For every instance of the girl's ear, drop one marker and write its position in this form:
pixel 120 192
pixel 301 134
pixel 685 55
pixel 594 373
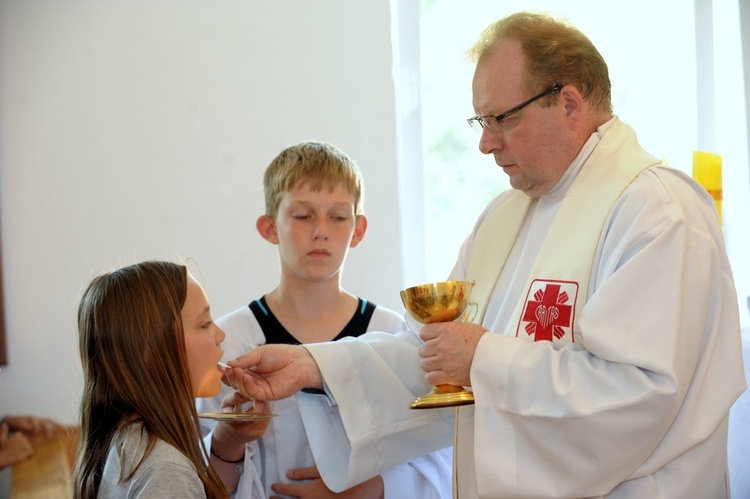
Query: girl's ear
pixel 267 229
pixel 359 231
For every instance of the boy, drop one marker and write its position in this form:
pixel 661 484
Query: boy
pixel 314 198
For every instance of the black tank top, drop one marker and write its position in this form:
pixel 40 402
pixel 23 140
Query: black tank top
pixel 275 333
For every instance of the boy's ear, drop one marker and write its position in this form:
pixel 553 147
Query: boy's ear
pixel 359 231
pixel 267 229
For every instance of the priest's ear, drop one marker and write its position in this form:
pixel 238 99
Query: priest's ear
pixel 574 105
pixel 360 228
pixel 267 229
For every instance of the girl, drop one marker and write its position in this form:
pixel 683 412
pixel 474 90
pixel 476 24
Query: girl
pixel 148 347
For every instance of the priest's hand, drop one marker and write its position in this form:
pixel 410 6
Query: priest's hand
pixel 448 351
pixel 273 372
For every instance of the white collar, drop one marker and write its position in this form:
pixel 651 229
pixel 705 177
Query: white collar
pixel 562 186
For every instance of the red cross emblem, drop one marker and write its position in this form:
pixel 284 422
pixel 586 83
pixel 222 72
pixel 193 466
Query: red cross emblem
pixel 548 315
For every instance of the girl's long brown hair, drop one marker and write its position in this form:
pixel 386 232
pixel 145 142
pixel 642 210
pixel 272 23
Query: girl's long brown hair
pixel 132 350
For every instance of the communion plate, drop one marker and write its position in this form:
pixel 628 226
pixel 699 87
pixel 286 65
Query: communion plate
pixel 236 417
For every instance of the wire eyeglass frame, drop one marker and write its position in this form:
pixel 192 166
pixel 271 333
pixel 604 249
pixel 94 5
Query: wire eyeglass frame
pixel 479 123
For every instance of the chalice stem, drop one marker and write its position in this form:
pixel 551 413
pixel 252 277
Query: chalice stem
pixel 447 389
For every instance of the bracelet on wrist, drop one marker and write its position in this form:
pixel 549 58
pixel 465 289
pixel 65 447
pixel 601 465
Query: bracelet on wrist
pixel 240 460
pixel 239 464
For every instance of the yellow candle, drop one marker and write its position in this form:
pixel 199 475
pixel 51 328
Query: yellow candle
pixel 707 171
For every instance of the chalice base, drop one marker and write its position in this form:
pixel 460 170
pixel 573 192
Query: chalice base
pixel 443 396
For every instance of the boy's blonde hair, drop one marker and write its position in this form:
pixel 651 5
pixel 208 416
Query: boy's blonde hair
pixel 315 164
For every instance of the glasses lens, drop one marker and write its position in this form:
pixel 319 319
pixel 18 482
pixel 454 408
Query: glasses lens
pixel 476 124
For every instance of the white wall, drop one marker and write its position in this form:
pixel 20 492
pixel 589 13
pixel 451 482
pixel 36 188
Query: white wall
pixel 138 129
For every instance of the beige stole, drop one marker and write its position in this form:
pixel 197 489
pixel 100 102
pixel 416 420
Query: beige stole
pixel 568 250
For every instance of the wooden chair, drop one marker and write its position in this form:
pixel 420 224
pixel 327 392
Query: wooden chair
pixel 48 473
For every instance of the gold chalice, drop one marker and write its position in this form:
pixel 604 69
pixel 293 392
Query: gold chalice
pixel 441 302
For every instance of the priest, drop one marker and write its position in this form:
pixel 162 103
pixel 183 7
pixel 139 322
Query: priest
pixel 605 354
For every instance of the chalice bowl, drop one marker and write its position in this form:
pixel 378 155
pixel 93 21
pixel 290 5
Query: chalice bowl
pixel 445 301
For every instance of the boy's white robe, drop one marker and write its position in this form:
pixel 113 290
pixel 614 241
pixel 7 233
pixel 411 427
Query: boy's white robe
pixel 284 444
pixel 636 406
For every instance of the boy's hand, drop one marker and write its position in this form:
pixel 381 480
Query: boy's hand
pixel 273 372
pixel 241 432
pixel 316 489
